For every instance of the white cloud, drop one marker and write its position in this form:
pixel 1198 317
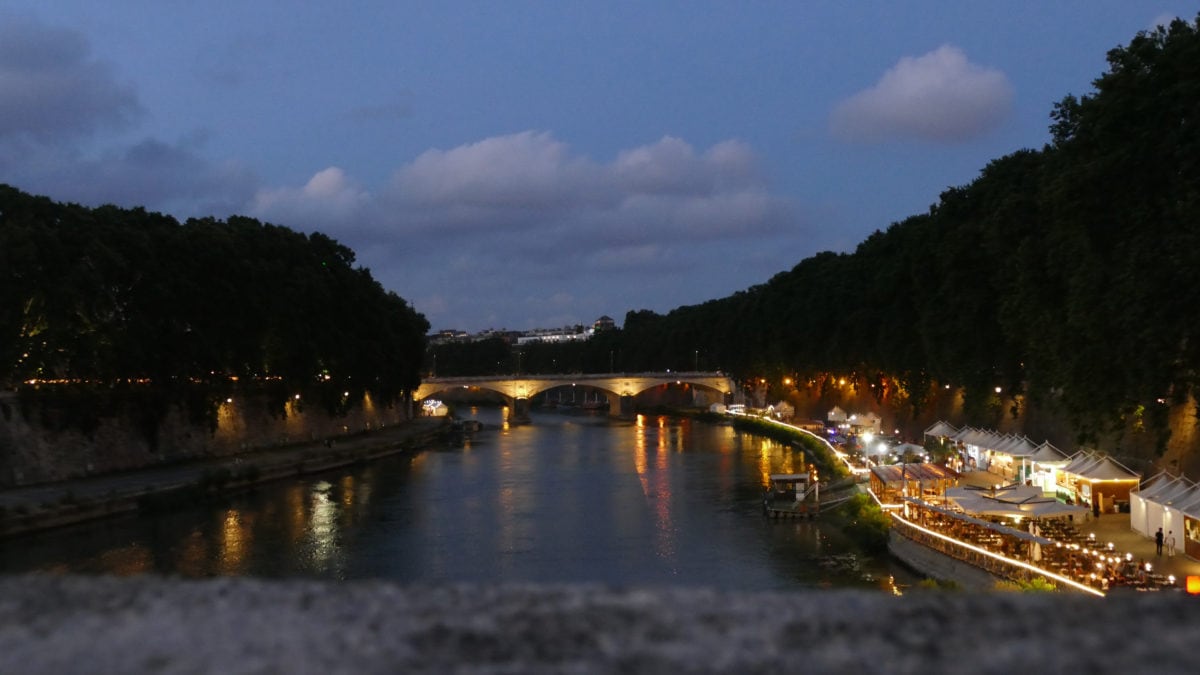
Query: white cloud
pixel 526 170
pixel 1164 20
pixel 329 198
pixel 470 226
pixel 940 96
pixel 532 182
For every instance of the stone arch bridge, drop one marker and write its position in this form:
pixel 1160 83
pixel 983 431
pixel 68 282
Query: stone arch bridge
pixel 620 387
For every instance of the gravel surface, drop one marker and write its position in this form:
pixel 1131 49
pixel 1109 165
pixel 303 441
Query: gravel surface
pixel 52 624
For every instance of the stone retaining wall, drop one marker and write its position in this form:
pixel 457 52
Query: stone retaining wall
pixel 935 565
pixel 32 453
pixel 147 624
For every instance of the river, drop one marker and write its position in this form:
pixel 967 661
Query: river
pixel 569 498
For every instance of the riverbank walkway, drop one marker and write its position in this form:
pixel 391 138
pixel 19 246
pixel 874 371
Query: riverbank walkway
pixel 35 507
pixel 1115 528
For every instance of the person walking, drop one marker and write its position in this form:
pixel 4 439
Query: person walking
pixel 1171 544
pixel 1158 542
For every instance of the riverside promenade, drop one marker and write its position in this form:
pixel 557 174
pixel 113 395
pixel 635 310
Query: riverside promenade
pixel 1115 528
pixel 48 505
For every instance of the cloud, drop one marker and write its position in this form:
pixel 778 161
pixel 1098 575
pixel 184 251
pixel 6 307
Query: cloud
pixel 57 101
pixel 530 194
pixel 940 96
pixel 523 171
pixel 1161 21
pixel 465 228
pixel 173 178
pixel 329 198
pixel 51 88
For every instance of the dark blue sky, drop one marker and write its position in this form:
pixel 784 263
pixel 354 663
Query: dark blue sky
pixel 537 164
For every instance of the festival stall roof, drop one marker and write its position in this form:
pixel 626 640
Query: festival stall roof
pixel 995 527
pixel 908 447
pixel 1108 468
pixel 1188 501
pixel 1162 486
pixel 1005 442
pixel 1021 447
pixel 941 428
pixel 994 440
pixel 1048 454
pixel 1191 507
pixel 1024 501
pixel 895 473
pixel 1167 492
pixel 1080 461
pixel 967 435
pixel 1153 481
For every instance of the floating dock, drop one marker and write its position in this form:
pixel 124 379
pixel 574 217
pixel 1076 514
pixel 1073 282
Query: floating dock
pixel 792 495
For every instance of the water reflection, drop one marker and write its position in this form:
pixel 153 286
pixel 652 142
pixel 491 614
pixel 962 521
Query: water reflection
pixel 321 538
pixel 569 498
pixel 234 535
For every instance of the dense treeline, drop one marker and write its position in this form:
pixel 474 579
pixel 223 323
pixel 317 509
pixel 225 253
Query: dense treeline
pixel 116 298
pixel 1066 275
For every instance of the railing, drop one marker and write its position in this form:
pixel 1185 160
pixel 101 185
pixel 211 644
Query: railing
pixel 994 563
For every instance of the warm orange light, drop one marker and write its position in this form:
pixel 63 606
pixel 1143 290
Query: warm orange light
pixel 1193 584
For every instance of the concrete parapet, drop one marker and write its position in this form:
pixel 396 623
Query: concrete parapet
pixel 937 566
pixel 107 625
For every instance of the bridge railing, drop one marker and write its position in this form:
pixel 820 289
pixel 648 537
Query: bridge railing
pixel 666 375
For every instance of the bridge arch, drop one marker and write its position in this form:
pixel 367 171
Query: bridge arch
pixel 619 386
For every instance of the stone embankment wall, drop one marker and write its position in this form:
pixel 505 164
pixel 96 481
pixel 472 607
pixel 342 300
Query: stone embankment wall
pixel 31 453
pixel 935 565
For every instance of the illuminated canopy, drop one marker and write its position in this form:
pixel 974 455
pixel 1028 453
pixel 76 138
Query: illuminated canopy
pixel 1011 501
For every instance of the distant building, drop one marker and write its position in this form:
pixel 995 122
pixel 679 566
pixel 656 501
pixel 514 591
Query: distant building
pixel 448 335
pixel 783 411
pixel 509 336
pixel 575 333
pixel 604 323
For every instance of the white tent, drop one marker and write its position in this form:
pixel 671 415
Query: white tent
pixel 1138 518
pixel 908 447
pixel 1048 455
pixel 1156 502
pixel 1107 468
pixel 1174 512
pixel 941 428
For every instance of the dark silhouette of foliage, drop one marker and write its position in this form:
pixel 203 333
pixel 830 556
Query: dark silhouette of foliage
pixel 1066 274
pixel 97 297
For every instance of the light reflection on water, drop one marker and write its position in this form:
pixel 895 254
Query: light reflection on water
pixel 570 498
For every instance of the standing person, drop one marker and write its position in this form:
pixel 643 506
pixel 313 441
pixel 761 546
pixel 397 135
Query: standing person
pixel 1171 544
pixel 1158 542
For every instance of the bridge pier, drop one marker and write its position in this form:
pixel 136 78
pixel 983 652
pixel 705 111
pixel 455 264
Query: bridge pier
pixel 620 406
pixel 519 410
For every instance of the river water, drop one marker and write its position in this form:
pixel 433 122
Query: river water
pixel 569 498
